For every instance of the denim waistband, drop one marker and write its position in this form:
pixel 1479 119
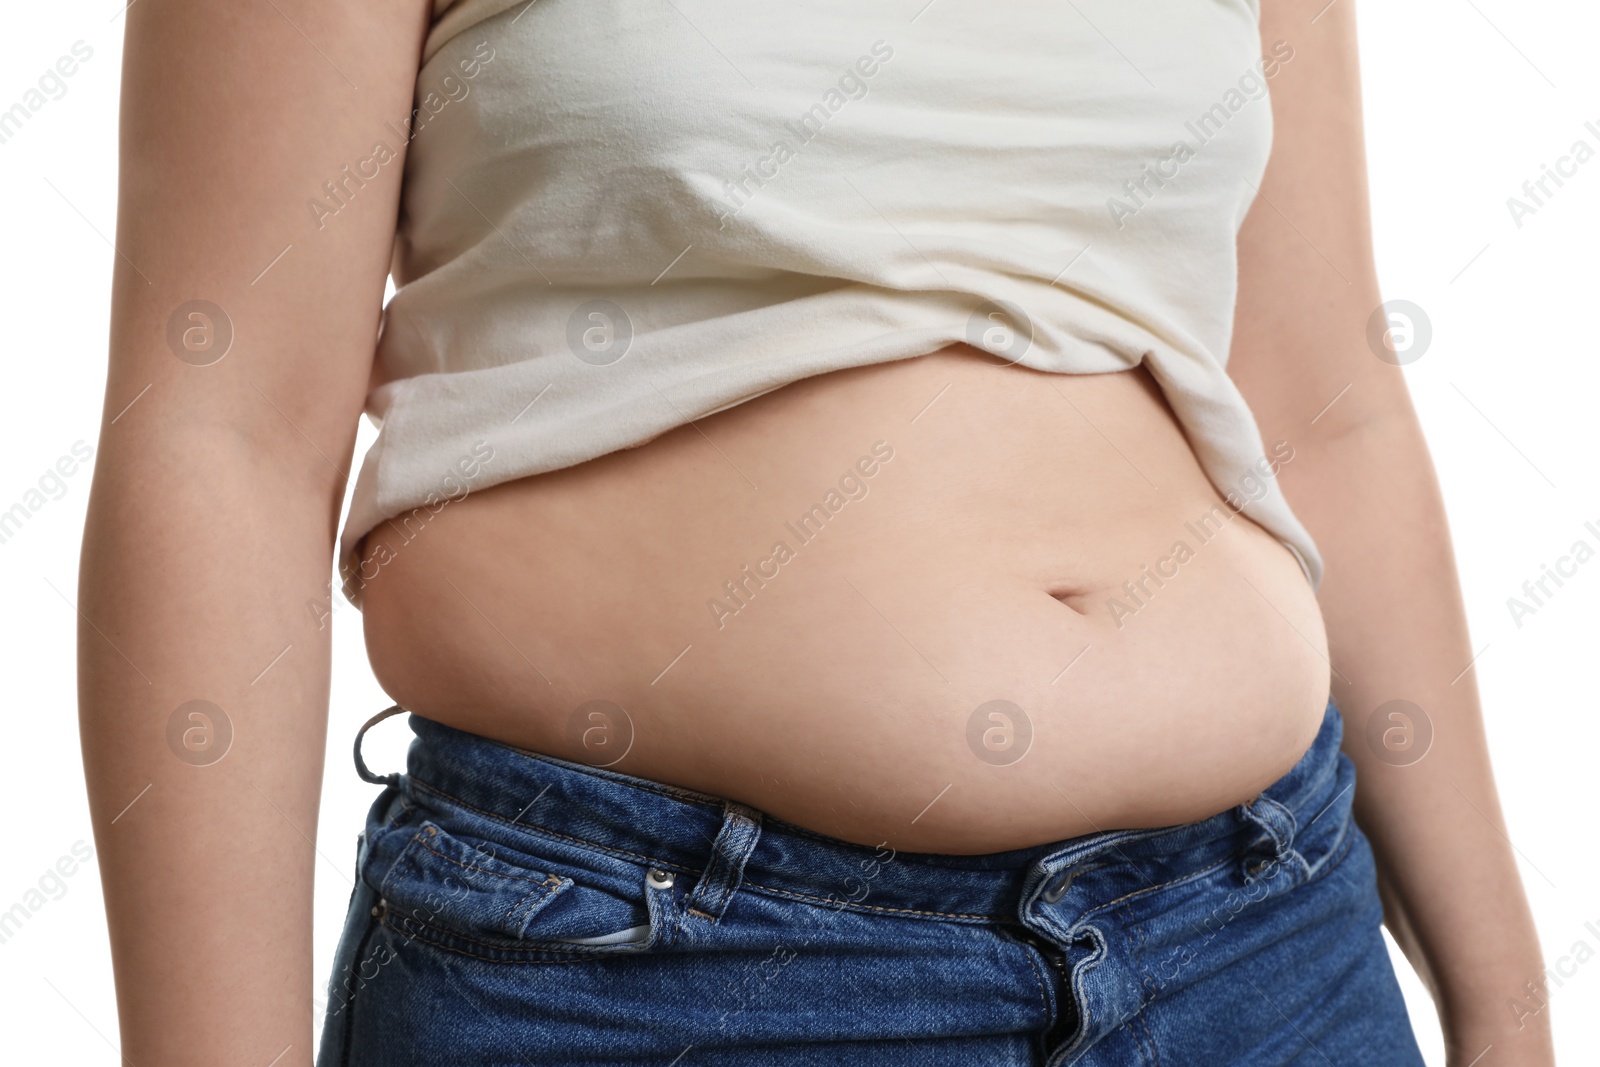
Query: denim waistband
pixel 729 846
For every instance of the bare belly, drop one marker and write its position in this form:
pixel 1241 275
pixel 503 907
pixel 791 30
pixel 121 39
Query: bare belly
pixel 937 603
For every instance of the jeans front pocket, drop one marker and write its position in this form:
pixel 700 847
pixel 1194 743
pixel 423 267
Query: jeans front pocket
pixel 479 890
pixel 440 879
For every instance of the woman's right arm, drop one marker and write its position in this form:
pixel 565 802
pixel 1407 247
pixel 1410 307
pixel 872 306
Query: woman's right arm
pixel 209 542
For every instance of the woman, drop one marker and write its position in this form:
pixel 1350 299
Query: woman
pixel 831 524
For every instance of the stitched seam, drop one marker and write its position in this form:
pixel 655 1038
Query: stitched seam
pixel 1132 1026
pixel 1080 998
pixel 531 904
pixel 1122 837
pixel 550 884
pixel 455 936
pixel 1147 1047
pixel 492 959
pixel 394 824
pixel 868 850
pixel 405 810
pixel 718 901
pixel 1294 821
pixel 643 785
pixel 756 885
pixel 1191 876
pixel 548 879
pixel 716 885
pixel 1038 980
pixel 868 907
pixel 401 867
pixel 534 830
pixel 1287 813
pixel 1138 957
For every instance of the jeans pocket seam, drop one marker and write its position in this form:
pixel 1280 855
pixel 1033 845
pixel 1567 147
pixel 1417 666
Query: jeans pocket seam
pixel 453 941
pixel 538 877
pixel 402 866
pixel 524 910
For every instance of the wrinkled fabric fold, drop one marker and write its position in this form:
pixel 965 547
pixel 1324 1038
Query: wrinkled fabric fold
pixel 618 218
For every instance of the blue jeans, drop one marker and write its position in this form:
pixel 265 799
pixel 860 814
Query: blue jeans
pixel 511 908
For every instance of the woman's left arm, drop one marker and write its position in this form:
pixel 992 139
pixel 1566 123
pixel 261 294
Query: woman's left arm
pixel 1362 481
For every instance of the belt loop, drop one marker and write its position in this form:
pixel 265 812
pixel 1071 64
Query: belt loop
pixel 741 828
pixel 1278 821
pixel 1281 829
pixel 361 764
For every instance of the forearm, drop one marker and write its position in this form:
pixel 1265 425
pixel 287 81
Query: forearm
pixel 1397 630
pixel 242 334
pixel 197 565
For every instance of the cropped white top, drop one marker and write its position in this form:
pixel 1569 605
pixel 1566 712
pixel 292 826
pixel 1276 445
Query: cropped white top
pixel 618 217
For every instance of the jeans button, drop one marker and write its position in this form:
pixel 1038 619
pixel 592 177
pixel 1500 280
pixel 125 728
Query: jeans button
pixel 659 879
pixel 1058 889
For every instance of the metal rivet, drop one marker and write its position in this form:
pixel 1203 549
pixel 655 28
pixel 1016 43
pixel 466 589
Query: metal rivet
pixel 659 879
pixel 1059 890
pixel 379 908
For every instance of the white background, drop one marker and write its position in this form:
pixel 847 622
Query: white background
pixel 1465 99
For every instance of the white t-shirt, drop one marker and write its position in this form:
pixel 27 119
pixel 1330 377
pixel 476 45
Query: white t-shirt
pixel 618 217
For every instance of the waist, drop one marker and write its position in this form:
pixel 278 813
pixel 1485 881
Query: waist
pixel 951 604
pixel 480 789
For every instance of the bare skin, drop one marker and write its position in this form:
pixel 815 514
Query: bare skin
pixel 1364 485
pixel 216 498
pixel 980 562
